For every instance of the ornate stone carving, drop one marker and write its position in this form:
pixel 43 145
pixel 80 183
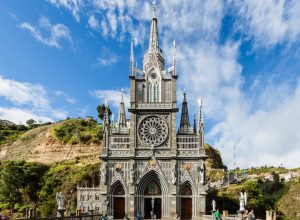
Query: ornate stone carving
pixel 202 173
pixel 153 131
pixel 118 167
pixel 103 173
pixel 187 167
pixel 132 174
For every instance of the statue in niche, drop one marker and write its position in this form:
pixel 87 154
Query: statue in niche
pixel 202 173
pixel 103 173
pixel 173 176
pixel 131 174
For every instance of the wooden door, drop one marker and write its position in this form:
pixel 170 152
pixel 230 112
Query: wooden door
pixel 186 208
pixel 119 208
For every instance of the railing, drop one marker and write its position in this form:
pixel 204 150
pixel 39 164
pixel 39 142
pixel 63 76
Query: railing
pixel 75 217
pixel 152 105
pixel 212 217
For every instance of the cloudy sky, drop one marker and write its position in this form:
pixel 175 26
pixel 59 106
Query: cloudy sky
pixel 61 58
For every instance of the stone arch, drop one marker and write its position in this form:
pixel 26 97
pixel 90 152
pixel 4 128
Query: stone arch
pixel 187 200
pixel 152 176
pixel 118 199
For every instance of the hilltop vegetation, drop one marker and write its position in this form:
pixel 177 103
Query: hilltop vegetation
pixel 10 132
pixel 75 131
pixel 48 143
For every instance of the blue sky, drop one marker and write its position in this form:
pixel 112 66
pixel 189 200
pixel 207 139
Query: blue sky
pixel 61 58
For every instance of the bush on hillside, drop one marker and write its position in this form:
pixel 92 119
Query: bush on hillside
pixel 74 131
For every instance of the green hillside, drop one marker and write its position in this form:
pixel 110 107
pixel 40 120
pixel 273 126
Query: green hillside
pixel 24 183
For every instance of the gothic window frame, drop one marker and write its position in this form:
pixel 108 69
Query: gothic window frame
pixel 154 81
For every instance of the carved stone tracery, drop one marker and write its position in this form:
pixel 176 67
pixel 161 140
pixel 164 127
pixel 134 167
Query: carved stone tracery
pixel 153 131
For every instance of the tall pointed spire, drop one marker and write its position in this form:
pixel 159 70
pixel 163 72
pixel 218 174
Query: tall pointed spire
pixel 131 60
pixel 122 116
pixel 153 40
pixel 174 58
pixel 200 125
pixel 185 118
pixel 200 118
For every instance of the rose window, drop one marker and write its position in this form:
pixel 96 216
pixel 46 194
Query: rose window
pixel 153 131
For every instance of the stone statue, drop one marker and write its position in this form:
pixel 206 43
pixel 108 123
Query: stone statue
pixel 131 174
pixel 243 201
pixel 173 176
pixel 103 173
pixel 202 173
pixel 60 201
pixel 213 205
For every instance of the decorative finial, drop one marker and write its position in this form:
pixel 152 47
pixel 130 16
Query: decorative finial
pixel 153 9
pixel 184 95
pixel 122 94
pixel 131 51
pixel 200 102
pixel 106 103
pixel 174 58
pixel 112 117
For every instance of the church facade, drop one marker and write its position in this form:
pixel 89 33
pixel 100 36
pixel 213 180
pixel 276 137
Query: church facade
pixel 149 167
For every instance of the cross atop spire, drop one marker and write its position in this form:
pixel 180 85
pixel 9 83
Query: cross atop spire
pixel 153 9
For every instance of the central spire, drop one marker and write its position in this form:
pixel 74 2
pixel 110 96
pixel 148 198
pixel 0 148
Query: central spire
pixel 153 40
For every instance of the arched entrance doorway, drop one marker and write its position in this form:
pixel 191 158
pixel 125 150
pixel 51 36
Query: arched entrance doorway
pixel 186 202
pixel 118 202
pixel 151 197
pixel 152 201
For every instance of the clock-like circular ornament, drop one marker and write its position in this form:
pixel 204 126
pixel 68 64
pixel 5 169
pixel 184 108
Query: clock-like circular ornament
pixel 153 131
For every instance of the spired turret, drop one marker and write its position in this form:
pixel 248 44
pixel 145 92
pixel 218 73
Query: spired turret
pixel 122 115
pixel 200 131
pixel 185 126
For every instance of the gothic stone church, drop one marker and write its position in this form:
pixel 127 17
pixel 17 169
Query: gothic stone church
pixel 148 167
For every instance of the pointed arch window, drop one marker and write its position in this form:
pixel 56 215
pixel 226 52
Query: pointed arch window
pixel 153 87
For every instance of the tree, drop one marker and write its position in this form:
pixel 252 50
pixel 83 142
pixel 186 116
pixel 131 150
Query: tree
pixel 101 110
pixel 30 122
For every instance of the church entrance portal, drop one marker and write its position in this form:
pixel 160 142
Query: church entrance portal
pixel 186 202
pixel 152 201
pixel 119 202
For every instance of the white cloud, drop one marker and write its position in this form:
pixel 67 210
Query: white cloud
pixel 27 100
pixel 93 22
pixel 54 33
pixel 23 93
pixel 114 96
pixel 106 58
pixel 269 22
pixel 263 136
pixel 20 116
pixel 107 61
pixel 65 96
pixel 73 6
